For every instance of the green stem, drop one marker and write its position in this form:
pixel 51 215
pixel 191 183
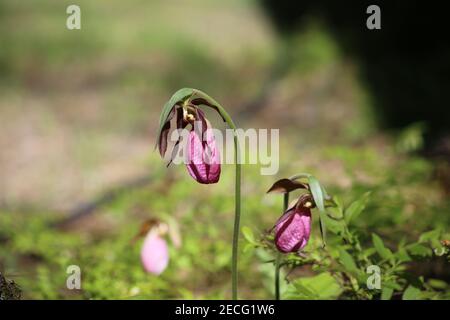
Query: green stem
pixel 279 256
pixel 277 276
pixel 237 218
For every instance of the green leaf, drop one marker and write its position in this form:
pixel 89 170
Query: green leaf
pixel 347 261
pixel 368 252
pixel 300 176
pixel 317 193
pixel 433 238
pixel 386 293
pixel 339 205
pixel 392 285
pixel 402 255
pixel 356 207
pixel 411 293
pixel 302 292
pixel 248 247
pixel 384 252
pixel 322 286
pixel 418 250
pixel 437 284
pixel 248 235
pixel 430 235
pixel 177 97
pixel 335 226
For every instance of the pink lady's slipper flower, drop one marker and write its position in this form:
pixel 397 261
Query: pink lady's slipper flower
pixel 293 229
pixel 203 157
pixel 154 253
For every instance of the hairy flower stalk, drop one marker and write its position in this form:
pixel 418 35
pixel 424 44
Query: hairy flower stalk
pixel 203 157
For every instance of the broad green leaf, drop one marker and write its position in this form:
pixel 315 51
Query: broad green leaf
pixel 356 207
pixel 248 235
pixel 368 252
pixel 347 261
pixel 386 293
pixel 430 235
pixel 317 193
pixel 322 286
pixel 411 293
pixel 384 252
pixel 438 284
pixel 302 292
pixel 419 250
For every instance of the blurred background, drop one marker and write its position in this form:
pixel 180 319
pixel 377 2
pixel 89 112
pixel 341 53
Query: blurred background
pixel 363 110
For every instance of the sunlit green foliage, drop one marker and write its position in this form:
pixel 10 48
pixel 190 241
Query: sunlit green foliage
pixel 367 228
pixel 392 211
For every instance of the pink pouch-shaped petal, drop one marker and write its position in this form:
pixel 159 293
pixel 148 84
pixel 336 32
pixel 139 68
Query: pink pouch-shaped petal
pixel 154 253
pixel 203 158
pixel 292 232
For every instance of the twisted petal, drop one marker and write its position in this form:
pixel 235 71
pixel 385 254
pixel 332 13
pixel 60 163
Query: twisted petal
pixel 293 230
pixel 162 137
pixel 154 253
